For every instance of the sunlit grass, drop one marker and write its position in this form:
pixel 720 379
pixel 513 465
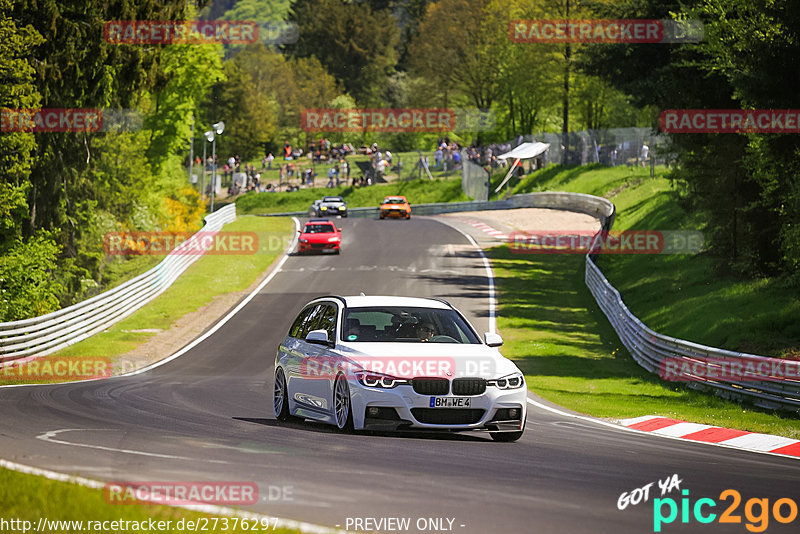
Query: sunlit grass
pixel 27 497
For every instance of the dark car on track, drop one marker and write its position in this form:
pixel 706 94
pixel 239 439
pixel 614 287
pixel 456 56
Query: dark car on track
pixel 328 207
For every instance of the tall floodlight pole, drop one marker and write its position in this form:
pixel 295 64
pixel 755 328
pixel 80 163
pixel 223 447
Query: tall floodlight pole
pixel 218 128
pixel 191 149
pixel 209 136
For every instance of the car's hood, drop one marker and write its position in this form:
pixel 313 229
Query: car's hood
pixel 407 360
pixel 333 205
pixel 316 238
pixel 394 206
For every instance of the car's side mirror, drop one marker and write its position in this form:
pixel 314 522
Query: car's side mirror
pixel 493 340
pixel 318 336
pixel 339 229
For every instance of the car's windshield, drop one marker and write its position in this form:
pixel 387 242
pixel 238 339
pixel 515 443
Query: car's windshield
pixel 394 200
pixel 332 199
pixel 318 229
pixel 406 325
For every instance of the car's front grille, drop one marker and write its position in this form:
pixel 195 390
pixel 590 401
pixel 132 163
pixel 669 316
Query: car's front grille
pixel 431 386
pixel 319 245
pixel 447 416
pixel 469 386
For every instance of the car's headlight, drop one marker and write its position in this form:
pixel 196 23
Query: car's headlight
pixel 333 239
pixel 342 207
pixel 304 240
pixel 378 380
pixel 324 207
pixel 512 381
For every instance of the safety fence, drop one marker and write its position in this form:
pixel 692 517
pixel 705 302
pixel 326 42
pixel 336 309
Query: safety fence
pixel 30 338
pixel 698 366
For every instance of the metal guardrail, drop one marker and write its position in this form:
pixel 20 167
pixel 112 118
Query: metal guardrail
pixel 30 338
pixel 652 350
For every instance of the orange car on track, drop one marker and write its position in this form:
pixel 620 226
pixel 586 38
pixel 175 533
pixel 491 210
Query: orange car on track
pixel 395 206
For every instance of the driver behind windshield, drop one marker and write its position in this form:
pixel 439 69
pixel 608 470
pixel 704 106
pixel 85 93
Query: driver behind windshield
pixel 425 331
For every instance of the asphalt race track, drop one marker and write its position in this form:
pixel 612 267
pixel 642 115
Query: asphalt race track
pixel 208 416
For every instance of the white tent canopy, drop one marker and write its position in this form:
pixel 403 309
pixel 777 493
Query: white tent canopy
pixel 526 151
pixel 523 151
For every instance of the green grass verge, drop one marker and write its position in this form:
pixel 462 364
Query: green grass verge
pixel 417 191
pixel 216 274
pixel 570 352
pixel 25 497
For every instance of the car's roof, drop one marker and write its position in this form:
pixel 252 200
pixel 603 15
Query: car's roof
pixel 378 301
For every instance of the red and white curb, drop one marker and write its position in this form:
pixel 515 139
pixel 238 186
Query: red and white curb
pixel 728 437
pixel 497 234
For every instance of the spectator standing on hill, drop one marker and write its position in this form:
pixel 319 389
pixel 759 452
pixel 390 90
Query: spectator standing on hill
pixel 645 153
pixel 381 168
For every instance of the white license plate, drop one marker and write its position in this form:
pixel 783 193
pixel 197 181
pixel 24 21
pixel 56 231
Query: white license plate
pixel 450 402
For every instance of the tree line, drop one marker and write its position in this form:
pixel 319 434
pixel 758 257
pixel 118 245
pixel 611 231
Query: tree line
pixel 60 192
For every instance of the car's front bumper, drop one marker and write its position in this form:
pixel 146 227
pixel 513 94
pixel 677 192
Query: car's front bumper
pixel 318 247
pixel 403 408
pixel 333 211
pixel 394 213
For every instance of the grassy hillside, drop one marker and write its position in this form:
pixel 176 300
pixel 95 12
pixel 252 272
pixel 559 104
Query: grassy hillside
pixel 417 192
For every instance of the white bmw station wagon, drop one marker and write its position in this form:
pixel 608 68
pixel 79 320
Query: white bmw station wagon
pixel 392 363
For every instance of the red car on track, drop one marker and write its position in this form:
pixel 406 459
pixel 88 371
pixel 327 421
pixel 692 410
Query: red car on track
pixel 319 235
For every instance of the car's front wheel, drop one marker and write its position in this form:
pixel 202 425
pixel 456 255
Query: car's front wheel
pixel 341 403
pixel 280 397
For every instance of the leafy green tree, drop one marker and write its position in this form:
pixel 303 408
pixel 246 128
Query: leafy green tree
pixel 356 44
pixel 25 286
pixel 17 91
pixel 746 184
pixel 249 110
